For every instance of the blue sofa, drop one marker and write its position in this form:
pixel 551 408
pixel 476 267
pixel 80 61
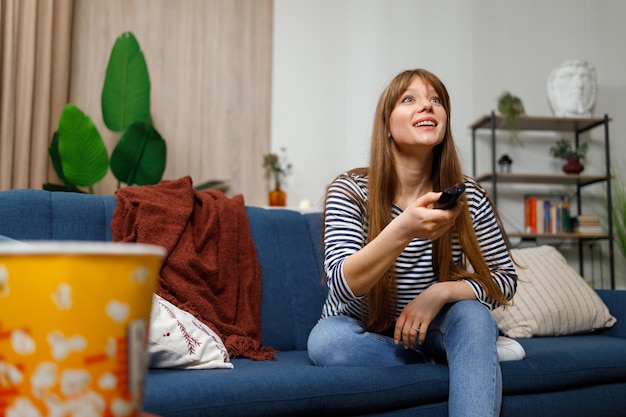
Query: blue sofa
pixel 582 375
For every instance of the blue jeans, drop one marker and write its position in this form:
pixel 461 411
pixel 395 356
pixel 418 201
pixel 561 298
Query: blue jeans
pixel 463 333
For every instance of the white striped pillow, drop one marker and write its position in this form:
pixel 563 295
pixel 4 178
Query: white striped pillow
pixel 552 299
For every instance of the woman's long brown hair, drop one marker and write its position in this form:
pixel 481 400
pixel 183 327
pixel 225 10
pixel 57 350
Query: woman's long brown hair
pixel 380 302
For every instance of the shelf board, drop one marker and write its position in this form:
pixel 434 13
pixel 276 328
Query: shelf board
pixel 542 178
pixel 561 124
pixel 558 235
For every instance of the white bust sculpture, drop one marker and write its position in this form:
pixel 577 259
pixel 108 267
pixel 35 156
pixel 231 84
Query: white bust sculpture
pixel 572 89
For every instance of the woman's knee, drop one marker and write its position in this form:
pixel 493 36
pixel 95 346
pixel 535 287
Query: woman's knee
pixel 472 317
pixel 329 340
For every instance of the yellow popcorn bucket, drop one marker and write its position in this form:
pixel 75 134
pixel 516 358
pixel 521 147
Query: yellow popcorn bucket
pixel 74 322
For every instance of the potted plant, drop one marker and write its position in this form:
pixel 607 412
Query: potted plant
pixel 277 169
pixel 77 150
pixel 511 107
pixel 563 149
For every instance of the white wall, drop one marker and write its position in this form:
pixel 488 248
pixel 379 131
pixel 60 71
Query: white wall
pixel 332 58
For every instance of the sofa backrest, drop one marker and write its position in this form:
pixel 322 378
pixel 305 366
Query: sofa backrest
pixel 287 244
pixel 44 215
pixel 288 247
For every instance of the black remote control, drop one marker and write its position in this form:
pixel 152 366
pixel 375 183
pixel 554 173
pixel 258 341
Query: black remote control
pixel 450 196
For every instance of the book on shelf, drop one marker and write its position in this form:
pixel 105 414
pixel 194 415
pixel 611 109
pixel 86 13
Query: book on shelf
pixel 551 215
pixel 586 224
pixel 544 215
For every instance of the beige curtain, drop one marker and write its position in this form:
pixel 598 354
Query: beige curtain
pixel 35 37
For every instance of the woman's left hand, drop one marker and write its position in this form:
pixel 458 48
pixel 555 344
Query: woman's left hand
pixel 412 325
pixel 414 320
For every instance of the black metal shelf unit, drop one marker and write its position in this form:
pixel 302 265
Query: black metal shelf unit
pixel 493 123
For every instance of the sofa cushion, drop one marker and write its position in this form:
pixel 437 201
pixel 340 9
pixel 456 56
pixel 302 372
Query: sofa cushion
pixel 291 386
pixel 594 400
pixel 565 362
pixel 552 299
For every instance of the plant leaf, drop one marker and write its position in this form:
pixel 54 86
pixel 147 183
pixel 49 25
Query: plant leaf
pixel 57 164
pixel 619 212
pixel 53 151
pixel 140 155
pixel 84 157
pixel 220 185
pixel 126 90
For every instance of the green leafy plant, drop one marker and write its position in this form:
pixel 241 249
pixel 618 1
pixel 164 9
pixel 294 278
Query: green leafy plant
pixel 619 213
pixel 77 150
pixel 275 166
pixel 563 149
pixel 511 107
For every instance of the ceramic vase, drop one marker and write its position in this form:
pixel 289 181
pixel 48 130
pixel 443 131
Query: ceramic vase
pixel 573 166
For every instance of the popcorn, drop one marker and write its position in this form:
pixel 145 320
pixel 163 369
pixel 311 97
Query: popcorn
pixel 140 275
pixel 117 311
pixel 22 343
pixel 23 407
pixel 4 282
pixel 62 347
pixel 10 376
pixel 74 381
pixel 111 347
pixel 62 297
pixel 107 381
pixel 121 408
pixel 89 404
pixel 44 378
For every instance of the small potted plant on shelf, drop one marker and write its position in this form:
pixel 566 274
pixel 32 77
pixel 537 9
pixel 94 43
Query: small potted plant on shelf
pixel 505 162
pixel 277 169
pixel 511 107
pixel 563 149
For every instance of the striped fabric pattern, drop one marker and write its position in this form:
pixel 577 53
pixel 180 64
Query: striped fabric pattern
pixel 552 299
pixel 346 231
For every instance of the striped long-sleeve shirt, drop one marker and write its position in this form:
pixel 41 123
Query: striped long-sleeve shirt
pixel 346 233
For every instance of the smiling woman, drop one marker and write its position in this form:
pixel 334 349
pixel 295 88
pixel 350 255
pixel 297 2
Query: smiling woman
pixel 399 291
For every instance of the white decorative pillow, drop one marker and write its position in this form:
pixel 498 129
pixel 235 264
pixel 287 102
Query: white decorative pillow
pixel 178 340
pixel 552 299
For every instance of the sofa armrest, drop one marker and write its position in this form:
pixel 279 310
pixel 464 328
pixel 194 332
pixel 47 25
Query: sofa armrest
pixel 615 300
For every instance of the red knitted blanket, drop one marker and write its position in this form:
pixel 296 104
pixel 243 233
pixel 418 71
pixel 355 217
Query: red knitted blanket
pixel 211 269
